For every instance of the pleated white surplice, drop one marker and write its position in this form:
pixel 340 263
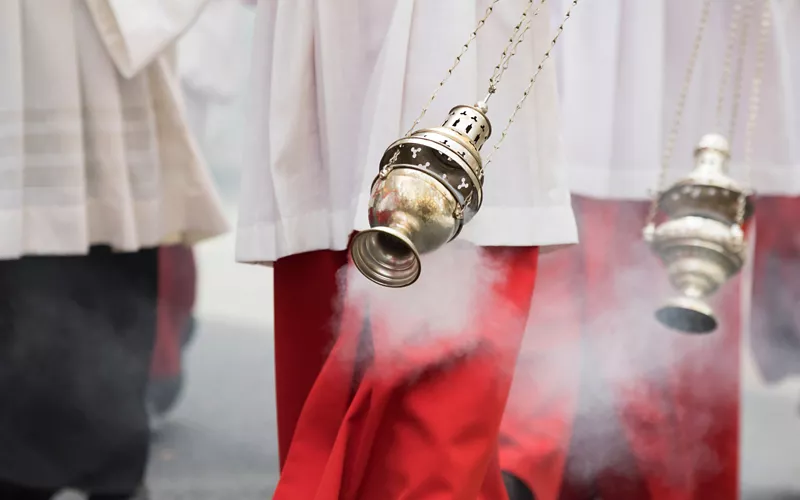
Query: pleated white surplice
pixel 94 148
pixel 622 69
pixel 336 82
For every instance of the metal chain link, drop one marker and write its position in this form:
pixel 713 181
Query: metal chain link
pixel 493 84
pixel 755 103
pixel 452 68
pixel 733 32
pixel 737 89
pixel 531 83
pixel 517 37
pixel 669 145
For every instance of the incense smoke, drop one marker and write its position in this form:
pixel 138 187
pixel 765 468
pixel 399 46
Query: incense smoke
pixel 599 359
pixel 602 358
pixel 449 311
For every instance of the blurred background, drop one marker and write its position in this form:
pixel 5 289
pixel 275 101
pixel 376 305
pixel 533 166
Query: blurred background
pixel 215 435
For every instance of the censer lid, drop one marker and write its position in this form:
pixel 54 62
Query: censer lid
pixel 463 133
pixel 714 142
pixel 471 123
pixel 711 157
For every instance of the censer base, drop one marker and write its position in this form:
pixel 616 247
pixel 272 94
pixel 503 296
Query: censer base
pixel 386 256
pixel 687 315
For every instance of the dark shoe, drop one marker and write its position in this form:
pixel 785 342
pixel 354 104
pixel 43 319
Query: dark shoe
pixel 517 490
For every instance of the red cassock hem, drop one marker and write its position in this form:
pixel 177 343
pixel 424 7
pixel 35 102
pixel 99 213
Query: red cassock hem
pixel 424 429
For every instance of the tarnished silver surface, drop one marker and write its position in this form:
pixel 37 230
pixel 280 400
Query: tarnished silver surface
pixel 429 185
pixel 701 242
pixel 700 255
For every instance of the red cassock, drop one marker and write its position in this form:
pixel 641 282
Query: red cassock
pixel 775 319
pixel 605 401
pixel 376 429
pixel 177 284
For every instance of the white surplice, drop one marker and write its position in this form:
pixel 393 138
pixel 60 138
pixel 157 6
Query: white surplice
pixel 336 82
pixel 213 64
pixel 213 54
pixel 622 69
pixel 94 148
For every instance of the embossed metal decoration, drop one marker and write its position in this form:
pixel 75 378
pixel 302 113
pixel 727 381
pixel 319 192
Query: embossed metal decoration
pixel 430 184
pixel 701 243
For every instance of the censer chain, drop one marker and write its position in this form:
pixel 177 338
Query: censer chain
pixel 737 89
pixel 531 83
pixel 452 68
pixel 516 38
pixel 669 145
pixel 754 105
pixel 733 34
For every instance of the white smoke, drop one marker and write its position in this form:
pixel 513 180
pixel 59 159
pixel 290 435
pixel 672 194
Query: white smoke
pixel 612 367
pixel 450 310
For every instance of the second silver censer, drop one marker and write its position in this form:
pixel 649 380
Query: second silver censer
pixel 702 242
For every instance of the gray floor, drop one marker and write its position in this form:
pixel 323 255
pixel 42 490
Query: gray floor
pixel 220 443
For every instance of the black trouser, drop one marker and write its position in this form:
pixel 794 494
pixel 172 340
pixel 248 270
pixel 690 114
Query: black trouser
pixel 76 344
pixel 10 491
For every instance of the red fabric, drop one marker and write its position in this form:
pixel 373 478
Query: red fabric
pixel 536 428
pixel 177 284
pixel 606 401
pixel 775 320
pixel 305 294
pixel 426 429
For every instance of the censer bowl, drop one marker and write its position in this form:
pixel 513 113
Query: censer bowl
pixel 687 315
pixel 411 213
pixel 700 255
